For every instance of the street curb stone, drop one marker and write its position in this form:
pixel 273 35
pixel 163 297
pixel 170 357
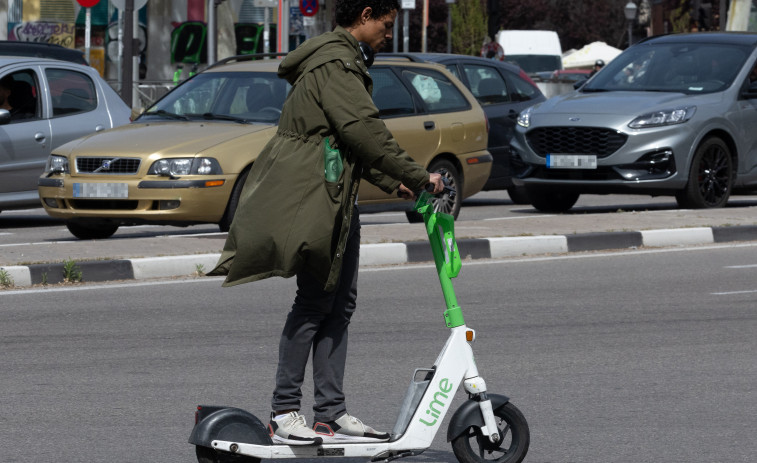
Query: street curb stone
pixel 397 253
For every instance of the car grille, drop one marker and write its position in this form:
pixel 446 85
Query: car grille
pixel 575 140
pixel 107 165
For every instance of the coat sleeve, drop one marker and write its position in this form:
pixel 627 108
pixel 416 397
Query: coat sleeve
pixel 350 110
pixel 386 183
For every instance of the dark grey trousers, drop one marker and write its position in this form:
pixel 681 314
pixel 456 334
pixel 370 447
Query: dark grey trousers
pixel 319 320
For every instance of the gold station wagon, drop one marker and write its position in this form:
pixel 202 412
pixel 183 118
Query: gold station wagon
pixel 184 160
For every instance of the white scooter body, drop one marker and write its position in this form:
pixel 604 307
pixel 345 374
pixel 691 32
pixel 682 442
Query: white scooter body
pixel 454 365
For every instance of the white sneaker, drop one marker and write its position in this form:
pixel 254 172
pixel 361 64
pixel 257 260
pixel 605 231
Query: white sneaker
pixel 292 429
pixel 348 427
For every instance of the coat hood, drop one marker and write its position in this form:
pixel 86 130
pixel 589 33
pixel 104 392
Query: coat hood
pixel 338 44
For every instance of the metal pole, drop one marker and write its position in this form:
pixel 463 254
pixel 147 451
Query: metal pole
pixel 424 33
pixel 87 32
pixel 212 32
pixel 119 64
pixel 128 64
pixel 395 34
pixel 405 31
pixel 630 32
pixel 135 103
pixel 266 32
pixel 449 28
pixel 283 27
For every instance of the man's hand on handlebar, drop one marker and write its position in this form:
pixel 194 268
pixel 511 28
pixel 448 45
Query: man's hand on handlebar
pixel 405 192
pixel 435 181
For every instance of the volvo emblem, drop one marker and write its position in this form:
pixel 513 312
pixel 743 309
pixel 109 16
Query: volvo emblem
pixel 105 165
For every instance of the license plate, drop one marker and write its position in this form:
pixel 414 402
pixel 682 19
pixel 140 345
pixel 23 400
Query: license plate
pixel 571 161
pixel 101 190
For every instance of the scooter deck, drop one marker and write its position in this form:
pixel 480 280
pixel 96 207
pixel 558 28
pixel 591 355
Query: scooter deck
pixel 374 450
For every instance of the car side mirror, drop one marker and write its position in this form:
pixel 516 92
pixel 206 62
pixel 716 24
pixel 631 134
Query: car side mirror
pixel 5 116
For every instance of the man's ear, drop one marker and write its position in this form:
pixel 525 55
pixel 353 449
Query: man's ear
pixel 366 14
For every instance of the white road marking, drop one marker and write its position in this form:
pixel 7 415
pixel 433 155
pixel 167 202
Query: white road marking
pixel 729 293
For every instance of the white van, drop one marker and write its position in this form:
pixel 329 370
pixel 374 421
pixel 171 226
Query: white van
pixel 533 51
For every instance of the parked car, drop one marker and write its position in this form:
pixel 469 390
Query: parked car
pixel 672 115
pixel 41 50
pixel 53 102
pixel 503 90
pixel 186 158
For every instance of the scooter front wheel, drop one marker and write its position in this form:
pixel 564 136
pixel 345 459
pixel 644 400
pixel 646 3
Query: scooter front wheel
pixel 208 455
pixel 473 447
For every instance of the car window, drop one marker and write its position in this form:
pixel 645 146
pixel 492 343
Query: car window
pixel 436 90
pixel 389 94
pixel 72 92
pixel 520 89
pixel 452 68
pixel 689 68
pixel 23 96
pixel 248 96
pixel 486 84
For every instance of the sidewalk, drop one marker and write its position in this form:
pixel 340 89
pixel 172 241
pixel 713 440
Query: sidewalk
pixel 397 243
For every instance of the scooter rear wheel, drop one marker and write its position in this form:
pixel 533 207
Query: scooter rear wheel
pixel 473 447
pixel 208 455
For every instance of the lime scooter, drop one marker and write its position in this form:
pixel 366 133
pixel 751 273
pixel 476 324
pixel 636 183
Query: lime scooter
pixel 485 428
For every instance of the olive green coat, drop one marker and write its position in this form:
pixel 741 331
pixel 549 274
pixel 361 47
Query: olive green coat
pixel 289 218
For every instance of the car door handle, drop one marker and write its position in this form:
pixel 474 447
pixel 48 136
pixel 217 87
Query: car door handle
pixel 39 136
pixel 429 125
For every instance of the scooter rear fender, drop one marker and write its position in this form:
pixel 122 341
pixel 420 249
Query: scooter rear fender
pixel 469 414
pixel 228 424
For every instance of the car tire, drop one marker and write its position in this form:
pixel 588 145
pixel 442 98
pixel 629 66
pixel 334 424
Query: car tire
pixel 448 206
pixel 91 229
pixel 518 195
pixel 710 178
pixel 549 199
pixel 231 207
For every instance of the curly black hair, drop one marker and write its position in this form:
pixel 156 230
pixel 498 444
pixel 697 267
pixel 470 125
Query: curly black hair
pixel 348 11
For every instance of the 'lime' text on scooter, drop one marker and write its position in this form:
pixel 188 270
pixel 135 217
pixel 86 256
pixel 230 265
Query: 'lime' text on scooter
pixel 436 405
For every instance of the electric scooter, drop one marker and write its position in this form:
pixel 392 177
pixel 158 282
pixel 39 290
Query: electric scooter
pixel 485 428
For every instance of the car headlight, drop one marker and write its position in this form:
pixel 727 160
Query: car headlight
pixel 664 117
pixel 524 118
pixel 172 167
pixel 56 165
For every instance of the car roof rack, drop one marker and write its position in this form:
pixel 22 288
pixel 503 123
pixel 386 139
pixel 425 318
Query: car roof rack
pixel 240 58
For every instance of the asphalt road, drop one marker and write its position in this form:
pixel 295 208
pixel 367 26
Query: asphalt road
pixel 642 356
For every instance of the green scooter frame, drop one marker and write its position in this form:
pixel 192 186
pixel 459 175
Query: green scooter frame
pixel 485 428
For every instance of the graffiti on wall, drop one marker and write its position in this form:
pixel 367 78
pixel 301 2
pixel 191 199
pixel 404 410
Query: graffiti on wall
pixel 43 31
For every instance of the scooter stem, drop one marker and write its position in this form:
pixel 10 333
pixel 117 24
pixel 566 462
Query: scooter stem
pixel 440 228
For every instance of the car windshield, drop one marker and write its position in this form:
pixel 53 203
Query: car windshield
pixel 689 68
pixel 243 97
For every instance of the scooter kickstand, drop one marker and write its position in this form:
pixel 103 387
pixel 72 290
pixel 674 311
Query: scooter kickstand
pixel 403 454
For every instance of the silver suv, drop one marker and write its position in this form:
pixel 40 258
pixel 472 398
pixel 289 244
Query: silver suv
pixel 672 115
